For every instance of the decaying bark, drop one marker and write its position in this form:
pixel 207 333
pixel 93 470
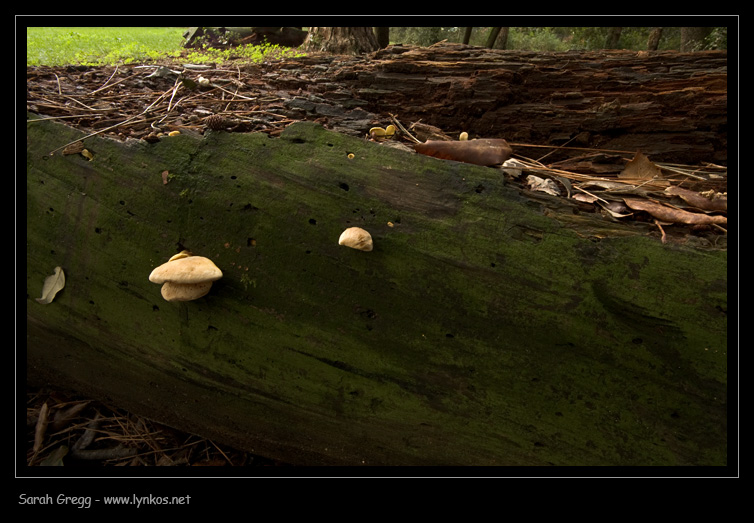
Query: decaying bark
pixel 342 40
pixel 671 106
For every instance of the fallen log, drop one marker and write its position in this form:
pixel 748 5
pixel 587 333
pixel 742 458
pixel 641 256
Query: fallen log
pixel 671 106
pixel 482 329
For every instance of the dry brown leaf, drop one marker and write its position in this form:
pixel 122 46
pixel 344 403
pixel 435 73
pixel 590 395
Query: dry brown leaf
pixel 482 151
pixel 697 200
pixel 52 285
pixel 669 214
pixel 73 148
pixel 640 168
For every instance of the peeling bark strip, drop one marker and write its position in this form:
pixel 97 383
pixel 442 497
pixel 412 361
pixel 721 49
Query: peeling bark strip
pixel 479 152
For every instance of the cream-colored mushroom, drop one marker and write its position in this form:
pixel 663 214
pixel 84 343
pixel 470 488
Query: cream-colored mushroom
pixel 185 277
pixel 184 291
pixel 356 238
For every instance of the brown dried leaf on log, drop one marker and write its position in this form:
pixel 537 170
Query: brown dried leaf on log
pixel 641 168
pixel 482 151
pixel 74 148
pixel 716 203
pixel 669 214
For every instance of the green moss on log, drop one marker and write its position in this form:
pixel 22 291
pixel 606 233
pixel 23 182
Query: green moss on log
pixel 479 331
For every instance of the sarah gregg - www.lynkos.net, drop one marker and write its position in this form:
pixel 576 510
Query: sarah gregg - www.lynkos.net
pixel 86 501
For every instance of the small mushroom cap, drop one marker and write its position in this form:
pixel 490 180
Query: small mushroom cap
pixel 356 238
pixel 184 291
pixel 192 269
pixel 182 254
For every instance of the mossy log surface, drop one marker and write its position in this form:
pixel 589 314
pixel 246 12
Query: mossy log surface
pixel 481 330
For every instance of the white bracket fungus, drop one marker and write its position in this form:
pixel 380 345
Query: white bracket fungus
pixel 185 277
pixel 356 238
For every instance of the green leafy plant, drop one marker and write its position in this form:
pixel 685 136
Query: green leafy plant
pixel 243 53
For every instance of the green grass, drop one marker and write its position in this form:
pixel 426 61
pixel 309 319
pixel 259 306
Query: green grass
pixel 56 46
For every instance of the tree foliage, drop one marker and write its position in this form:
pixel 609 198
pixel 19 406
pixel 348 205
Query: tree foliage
pixel 561 38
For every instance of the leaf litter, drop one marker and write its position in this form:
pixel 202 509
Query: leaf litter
pixel 65 430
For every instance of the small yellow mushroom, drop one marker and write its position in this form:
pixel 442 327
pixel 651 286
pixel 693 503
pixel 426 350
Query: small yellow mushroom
pixel 464 136
pixel 174 133
pixel 356 238
pixel 379 134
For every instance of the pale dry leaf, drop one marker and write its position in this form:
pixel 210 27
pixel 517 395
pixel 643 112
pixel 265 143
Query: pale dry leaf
pixel 544 185
pixel 52 285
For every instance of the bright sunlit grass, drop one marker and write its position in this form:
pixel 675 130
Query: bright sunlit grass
pixel 56 46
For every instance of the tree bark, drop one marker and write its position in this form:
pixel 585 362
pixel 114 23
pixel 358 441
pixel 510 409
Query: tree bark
pixel 671 106
pixel 692 38
pixel 494 31
pixel 467 34
pixel 613 37
pixel 342 40
pixel 654 39
pixel 383 36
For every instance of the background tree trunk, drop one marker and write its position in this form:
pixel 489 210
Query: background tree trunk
pixel 654 39
pixel 613 37
pixel 692 38
pixel 383 36
pixel 467 35
pixel 494 31
pixel 342 40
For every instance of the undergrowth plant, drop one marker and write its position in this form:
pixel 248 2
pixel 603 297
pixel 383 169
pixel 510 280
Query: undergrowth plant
pixel 243 53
